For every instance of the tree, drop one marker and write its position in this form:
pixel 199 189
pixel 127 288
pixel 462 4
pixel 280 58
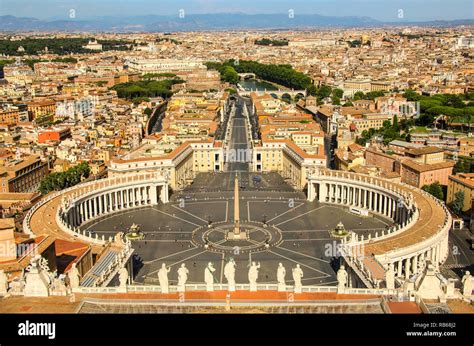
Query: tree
pixel 458 202
pixel 336 100
pixel 337 92
pixel 230 75
pixel 58 181
pixel 435 190
pixel 323 92
pixel 411 95
pixel 465 164
pixel 395 123
pixel 359 96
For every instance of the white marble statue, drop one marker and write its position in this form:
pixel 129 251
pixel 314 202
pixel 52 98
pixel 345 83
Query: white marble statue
pixel 38 278
pixel 123 277
pixel 229 273
pixel 3 283
pixel 58 286
pixel 182 277
pixel 209 277
pixel 74 276
pixel 253 276
pixel 467 282
pixel 390 277
pixel 297 276
pixel 163 278
pixel 341 279
pixel 281 273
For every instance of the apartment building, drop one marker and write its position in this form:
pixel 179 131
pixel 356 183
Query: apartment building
pixel 23 175
pixel 461 182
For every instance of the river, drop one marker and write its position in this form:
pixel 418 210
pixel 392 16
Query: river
pixel 254 84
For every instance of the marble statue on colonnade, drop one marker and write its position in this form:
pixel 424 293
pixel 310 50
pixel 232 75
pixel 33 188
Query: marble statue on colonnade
pixel 467 284
pixel 390 277
pixel 73 276
pixel 209 277
pixel 341 279
pixel 123 278
pixel 182 277
pixel 253 276
pixel 229 273
pixel 163 278
pixel 297 276
pixel 38 278
pixel 281 273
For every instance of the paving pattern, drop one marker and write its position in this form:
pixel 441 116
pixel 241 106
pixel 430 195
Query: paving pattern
pixel 271 204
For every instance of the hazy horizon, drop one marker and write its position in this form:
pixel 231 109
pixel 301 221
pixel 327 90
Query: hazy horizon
pixel 382 10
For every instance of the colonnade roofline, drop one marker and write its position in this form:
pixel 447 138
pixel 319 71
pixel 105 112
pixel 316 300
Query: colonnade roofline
pixel 61 213
pixel 432 218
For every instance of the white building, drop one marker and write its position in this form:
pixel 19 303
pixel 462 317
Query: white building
pixel 93 45
pixel 162 65
pixel 74 109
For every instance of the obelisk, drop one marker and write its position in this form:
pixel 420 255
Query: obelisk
pixel 236 233
pixel 236 208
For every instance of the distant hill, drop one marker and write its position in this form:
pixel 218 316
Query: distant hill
pixel 202 22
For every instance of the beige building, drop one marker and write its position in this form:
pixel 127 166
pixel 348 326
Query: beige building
pixel 285 157
pixel 461 182
pixel 23 175
pixel 180 165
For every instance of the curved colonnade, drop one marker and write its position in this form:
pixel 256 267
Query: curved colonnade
pixel 419 235
pixel 67 210
pixel 420 231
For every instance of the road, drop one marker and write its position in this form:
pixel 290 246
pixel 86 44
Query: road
pixel 239 144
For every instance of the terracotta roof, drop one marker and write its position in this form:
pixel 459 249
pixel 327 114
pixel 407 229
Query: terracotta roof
pixel 421 167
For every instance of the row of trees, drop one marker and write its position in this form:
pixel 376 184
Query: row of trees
pixel 371 95
pixel 61 46
pixel 62 180
pixel 388 132
pixel 270 42
pixel 465 164
pixel 281 74
pixel 456 108
pixel 146 88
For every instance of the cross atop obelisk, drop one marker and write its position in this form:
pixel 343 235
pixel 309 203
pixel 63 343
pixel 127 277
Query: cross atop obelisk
pixel 236 207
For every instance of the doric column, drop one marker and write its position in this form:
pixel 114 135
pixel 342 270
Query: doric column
pixel 415 264
pixel 310 191
pixel 109 202
pixel 407 268
pixel 399 269
pixel 101 210
pixel 81 208
pixel 94 201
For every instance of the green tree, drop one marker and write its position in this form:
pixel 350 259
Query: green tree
pixel 230 75
pixel 396 127
pixel 458 202
pixel 58 181
pixel 435 190
pixel 359 95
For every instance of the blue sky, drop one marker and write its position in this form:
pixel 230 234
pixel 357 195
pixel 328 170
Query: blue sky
pixel 386 10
